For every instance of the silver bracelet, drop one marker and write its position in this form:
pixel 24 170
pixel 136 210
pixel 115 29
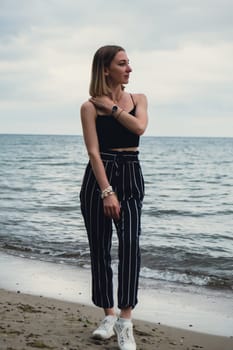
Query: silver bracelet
pixel 106 192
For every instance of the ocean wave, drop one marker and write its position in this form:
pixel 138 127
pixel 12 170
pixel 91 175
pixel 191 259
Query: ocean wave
pixel 48 253
pixel 170 212
pixel 10 247
pixel 55 164
pixel 188 278
pixel 8 188
pixel 174 212
pixel 61 208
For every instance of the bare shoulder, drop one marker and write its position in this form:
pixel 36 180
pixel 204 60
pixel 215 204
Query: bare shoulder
pixel 139 98
pixel 87 109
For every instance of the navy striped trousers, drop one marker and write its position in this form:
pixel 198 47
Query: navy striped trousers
pixel 125 176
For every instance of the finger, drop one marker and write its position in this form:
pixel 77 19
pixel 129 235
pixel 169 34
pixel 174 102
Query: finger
pixel 110 212
pixel 106 212
pixel 116 213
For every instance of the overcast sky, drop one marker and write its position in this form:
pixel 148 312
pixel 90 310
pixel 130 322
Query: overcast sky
pixel 181 53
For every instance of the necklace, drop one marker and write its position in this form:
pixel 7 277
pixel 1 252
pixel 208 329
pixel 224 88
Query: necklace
pixel 117 100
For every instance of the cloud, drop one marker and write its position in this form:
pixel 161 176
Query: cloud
pixel 185 74
pixel 181 53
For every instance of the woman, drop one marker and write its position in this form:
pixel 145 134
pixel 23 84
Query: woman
pixel 113 188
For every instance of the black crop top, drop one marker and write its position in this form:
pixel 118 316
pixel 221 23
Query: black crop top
pixel 112 134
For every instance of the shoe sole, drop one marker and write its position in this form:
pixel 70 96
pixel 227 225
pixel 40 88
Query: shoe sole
pixel 100 337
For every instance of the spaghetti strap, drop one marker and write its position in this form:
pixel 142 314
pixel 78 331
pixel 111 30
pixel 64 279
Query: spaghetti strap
pixel 133 100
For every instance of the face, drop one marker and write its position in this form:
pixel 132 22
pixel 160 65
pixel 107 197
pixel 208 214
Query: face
pixel 119 69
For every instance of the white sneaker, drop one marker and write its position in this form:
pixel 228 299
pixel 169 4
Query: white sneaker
pixel 124 332
pixel 105 329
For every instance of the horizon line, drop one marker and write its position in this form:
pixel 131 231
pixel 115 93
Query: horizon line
pixel 167 136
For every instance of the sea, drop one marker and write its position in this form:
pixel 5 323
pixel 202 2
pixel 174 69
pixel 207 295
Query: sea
pixel 187 215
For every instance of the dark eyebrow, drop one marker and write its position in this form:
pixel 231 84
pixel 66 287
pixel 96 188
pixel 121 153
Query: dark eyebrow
pixel 121 61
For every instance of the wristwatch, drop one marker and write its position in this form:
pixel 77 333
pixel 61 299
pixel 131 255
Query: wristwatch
pixel 114 109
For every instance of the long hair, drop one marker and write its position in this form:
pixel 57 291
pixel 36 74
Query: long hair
pixel 102 60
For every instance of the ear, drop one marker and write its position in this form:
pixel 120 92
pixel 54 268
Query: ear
pixel 106 71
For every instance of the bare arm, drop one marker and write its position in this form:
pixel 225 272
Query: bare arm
pixel 138 124
pixel 88 118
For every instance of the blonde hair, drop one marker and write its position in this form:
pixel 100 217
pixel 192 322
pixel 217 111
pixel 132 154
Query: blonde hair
pixel 101 60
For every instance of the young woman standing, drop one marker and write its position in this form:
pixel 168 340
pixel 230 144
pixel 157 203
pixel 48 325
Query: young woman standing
pixel 113 188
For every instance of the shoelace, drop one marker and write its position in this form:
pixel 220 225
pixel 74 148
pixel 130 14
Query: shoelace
pixel 126 335
pixel 105 324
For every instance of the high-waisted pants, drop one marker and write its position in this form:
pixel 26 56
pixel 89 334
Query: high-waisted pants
pixel 125 176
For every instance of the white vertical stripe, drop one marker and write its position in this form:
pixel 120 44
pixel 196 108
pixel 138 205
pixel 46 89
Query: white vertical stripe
pixel 136 252
pixel 130 252
pixel 123 181
pixel 135 179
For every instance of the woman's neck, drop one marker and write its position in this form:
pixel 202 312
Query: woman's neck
pixel 116 95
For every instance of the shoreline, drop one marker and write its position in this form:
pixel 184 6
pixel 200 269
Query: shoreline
pixel 29 321
pixel 184 309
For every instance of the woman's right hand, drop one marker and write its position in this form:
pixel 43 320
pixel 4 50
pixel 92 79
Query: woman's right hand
pixel 112 207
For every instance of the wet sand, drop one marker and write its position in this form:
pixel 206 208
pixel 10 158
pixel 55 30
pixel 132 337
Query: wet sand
pixel 35 322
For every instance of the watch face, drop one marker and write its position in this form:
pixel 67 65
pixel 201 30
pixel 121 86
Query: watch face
pixel 114 109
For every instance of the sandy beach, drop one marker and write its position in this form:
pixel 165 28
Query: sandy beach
pixel 35 322
pixel 48 306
